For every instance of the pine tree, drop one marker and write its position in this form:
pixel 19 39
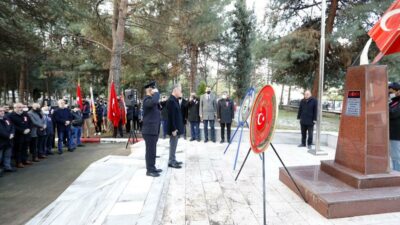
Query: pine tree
pixel 243 30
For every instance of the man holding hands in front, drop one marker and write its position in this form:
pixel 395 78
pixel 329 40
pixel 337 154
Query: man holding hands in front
pixel 174 125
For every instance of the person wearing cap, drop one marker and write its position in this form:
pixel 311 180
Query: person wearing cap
pixel 394 124
pixel 175 125
pixel 151 127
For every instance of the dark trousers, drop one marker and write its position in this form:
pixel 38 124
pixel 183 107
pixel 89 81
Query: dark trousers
pixel 173 143
pixel 195 130
pixel 98 125
pixel 206 122
pixel 128 126
pixel 228 131
pixel 49 143
pixel 151 151
pixel 20 149
pixel 33 147
pixel 135 123
pixel 164 128
pixel 307 129
pixel 41 145
pixel 119 129
pixel 61 134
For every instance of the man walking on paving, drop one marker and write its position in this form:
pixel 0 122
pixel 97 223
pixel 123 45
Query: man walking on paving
pixel 208 111
pixel 307 115
pixel 175 125
pixel 151 127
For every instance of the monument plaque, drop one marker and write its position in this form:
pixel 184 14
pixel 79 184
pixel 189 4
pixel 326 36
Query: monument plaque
pixel 353 106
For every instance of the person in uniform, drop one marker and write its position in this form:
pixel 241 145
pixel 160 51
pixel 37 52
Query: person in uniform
pixel 151 127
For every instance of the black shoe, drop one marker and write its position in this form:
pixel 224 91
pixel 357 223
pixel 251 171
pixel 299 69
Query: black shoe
pixel 174 165
pixel 152 174
pixel 60 153
pixel 309 147
pixel 157 156
pixel 205 141
pixel 158 170
pixel 81 145
pixel 179 163
pixel 198 140
pixel 301 146
pixel 191 139
pixel 71 149
pixel 222 141
pixel 10 170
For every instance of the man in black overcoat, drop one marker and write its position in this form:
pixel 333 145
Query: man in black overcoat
pixel 307 115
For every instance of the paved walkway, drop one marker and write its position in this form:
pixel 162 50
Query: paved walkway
pixel 205 193
pixel 27 191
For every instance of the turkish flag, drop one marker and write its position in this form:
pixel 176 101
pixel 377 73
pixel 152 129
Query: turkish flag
pixel 79 97
pixel 113 108
pixel 386 33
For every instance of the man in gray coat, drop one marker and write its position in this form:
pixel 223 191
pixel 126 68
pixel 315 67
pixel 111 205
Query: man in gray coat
pixel 37 133
pixel 208 112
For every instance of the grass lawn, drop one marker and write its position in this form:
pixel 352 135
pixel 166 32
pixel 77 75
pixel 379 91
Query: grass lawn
pixel 287 120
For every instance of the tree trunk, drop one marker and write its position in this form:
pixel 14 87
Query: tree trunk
pixel 13 96
pixel 329 28
pixel 118 34
pixel 281 100
pixel 194 56
pixel 22 83
pixel 289 93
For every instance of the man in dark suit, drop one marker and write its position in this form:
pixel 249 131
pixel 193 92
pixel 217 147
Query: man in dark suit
pixel 151 127
pixel 193 117
pixel 21 123
pixel 6 141
pixel 175 125
pixel 307 115
pixel 225 114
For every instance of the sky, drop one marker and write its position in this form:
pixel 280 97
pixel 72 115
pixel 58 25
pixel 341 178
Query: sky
pixel 259 7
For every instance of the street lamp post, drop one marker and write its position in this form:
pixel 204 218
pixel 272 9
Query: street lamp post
pixel 317 150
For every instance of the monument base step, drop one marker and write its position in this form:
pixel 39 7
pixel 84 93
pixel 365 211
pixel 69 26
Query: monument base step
pixel 333 198
pixel 359 180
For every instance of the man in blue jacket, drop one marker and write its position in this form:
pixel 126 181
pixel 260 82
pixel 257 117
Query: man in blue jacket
pixel 174 125
pixel 151 127
pixel 307 115
pixel 6 138
pixel 63 118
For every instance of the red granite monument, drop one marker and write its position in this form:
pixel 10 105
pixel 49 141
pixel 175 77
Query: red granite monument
pixel 359 180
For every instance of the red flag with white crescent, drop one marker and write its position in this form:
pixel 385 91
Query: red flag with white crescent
pixel 386 33
pixel 113 108
pixel 79 97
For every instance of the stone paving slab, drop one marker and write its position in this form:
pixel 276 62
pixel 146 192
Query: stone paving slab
pixel 204 191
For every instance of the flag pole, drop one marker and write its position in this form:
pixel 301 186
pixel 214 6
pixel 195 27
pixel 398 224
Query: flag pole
pixel 317 150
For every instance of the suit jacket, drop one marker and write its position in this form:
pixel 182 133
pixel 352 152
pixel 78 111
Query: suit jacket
pixel 208 107
pixel 307 113
pixel 184 110
pixel 193 111
pixel 21 123
pixel 225 111
pixel 37 124
pixel 6 129
pixel 175 118
pixel 151 115
pixel 61 116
